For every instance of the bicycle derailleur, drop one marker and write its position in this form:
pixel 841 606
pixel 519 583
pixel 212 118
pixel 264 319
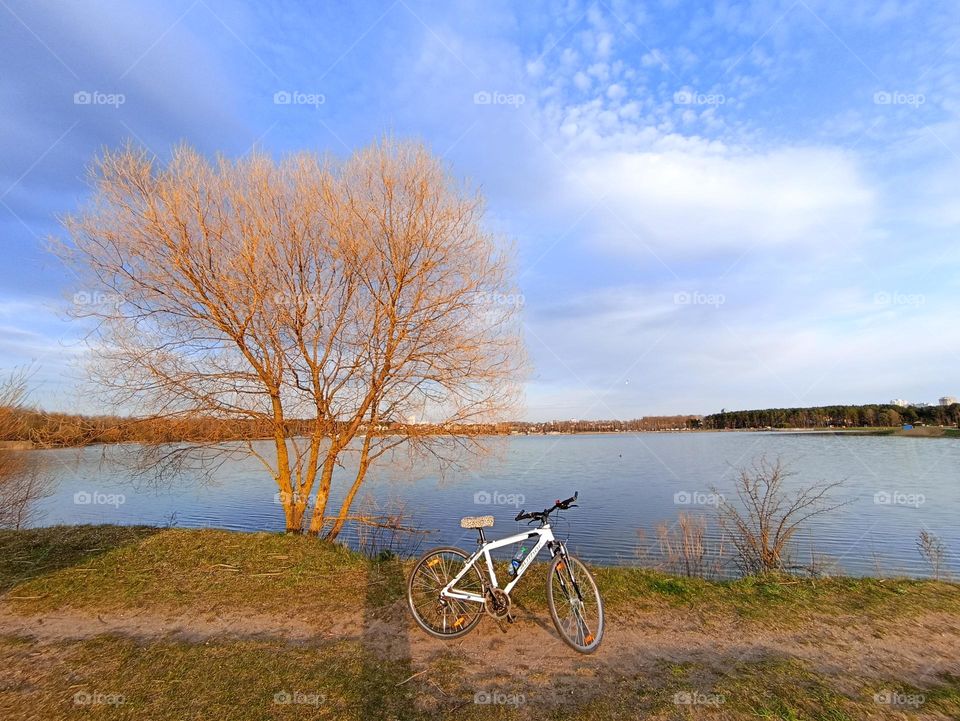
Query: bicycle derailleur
pixel 497 605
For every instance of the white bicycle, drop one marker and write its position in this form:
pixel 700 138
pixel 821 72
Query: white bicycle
pixel 448 592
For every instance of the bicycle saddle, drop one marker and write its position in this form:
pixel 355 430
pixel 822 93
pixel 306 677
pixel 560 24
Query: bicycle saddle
pixel 476 522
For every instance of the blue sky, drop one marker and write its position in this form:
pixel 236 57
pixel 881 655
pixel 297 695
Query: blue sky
pixel 714 205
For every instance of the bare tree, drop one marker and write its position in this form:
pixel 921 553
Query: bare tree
pixel 767 517
pixel 22 482
pixel 361 294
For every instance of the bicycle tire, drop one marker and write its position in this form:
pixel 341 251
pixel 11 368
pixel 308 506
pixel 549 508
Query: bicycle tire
pixel 588 633
pixel 426 579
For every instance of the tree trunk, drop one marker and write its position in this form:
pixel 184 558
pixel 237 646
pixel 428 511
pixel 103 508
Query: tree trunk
pixel 284 479
pixel 323 491
pixel 348 499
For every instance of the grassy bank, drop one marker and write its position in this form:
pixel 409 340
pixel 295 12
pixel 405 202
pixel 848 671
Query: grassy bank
pixel 264 619
pixel 115 568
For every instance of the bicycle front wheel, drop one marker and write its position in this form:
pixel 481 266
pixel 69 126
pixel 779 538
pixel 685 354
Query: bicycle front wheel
pixel 575 604
pixel 446 618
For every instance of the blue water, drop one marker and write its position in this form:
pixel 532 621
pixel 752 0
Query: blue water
pixel 626 482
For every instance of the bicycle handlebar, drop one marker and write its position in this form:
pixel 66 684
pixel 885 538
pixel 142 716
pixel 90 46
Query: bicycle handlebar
pixel 542 515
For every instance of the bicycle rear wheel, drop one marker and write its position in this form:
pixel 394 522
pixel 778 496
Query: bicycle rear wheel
pixel 445 618
pixel 575 604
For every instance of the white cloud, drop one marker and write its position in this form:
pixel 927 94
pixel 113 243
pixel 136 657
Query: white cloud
pixel 697 199
pixel 653 58
pixel 616 92
pixel 696 358
pixel 604 44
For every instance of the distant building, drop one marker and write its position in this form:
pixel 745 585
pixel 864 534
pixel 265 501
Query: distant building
pixel 899 402
pixel 948 400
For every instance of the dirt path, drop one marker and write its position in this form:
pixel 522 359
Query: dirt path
pixel 914 651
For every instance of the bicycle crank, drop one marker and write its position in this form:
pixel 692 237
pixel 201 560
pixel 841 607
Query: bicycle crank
pixel 497 606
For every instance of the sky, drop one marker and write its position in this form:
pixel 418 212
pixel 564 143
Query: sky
pixel 714 205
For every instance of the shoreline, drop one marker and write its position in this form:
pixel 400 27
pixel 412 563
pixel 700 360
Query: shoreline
pixel 919 432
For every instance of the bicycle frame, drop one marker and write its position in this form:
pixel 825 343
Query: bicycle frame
pixel 546 538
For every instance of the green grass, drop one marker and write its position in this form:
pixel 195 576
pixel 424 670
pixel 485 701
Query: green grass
pixel 94 569
pixel 29 554
pixel 108 568
pixel 235 680
pixel 248 680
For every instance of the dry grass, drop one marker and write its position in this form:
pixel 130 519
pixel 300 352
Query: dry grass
pixel 101 568
pixel 379 668
pixel 125 679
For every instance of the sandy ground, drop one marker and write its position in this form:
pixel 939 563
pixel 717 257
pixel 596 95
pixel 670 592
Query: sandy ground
pixel 914 651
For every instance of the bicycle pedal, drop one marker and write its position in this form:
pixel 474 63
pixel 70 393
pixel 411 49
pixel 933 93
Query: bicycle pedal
pixel 502 626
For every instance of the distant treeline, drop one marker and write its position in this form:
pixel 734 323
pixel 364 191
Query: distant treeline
pixel 53 430
pixel 648 423
pixel 869 416
pixel 64 429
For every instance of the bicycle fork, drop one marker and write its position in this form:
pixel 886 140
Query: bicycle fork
pixel 564 566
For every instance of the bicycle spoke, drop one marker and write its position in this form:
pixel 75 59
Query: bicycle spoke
pixel 444 615
pixel 575 603
pixel 449 590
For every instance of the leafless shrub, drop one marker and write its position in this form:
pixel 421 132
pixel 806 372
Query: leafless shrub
pixel 932 550
pixel 684 548
pixel 761 527
pixel 22 481
pixel 384 531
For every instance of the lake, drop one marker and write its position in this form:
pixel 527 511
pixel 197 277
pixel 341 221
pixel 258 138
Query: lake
pixel 894 487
